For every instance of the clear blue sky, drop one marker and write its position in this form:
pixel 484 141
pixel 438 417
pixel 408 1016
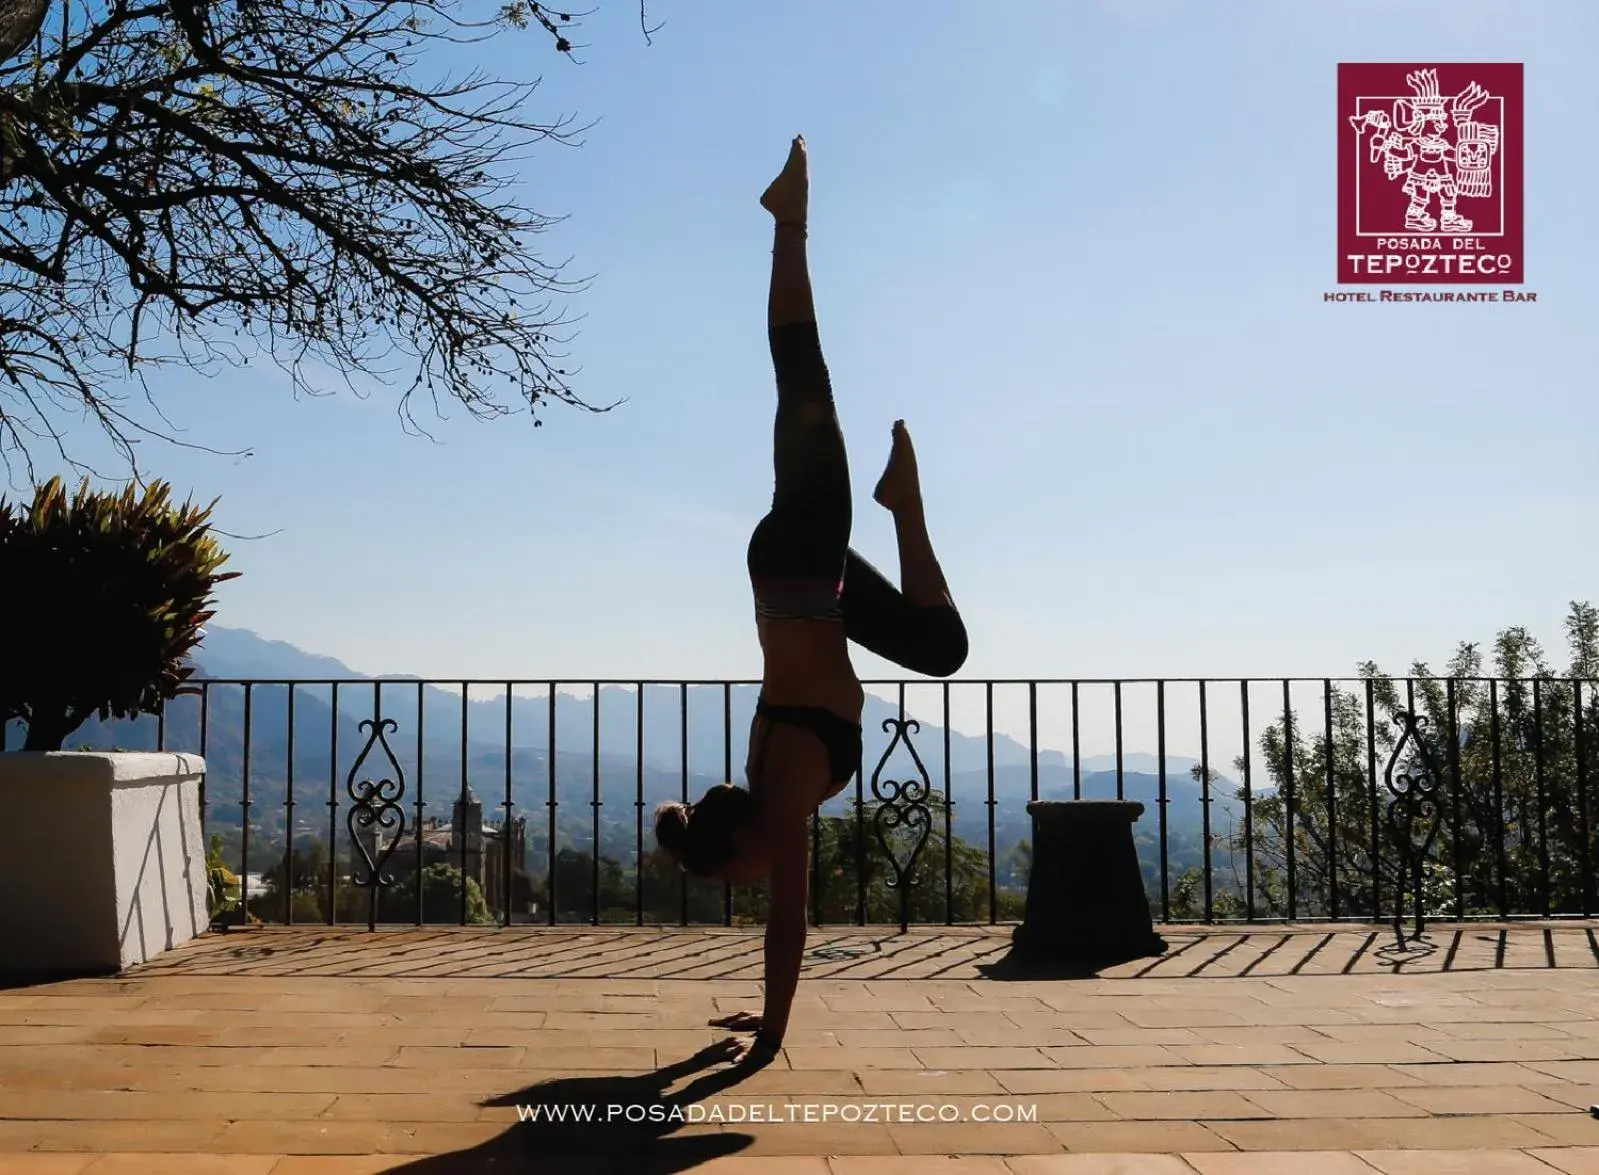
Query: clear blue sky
pixel 1081 247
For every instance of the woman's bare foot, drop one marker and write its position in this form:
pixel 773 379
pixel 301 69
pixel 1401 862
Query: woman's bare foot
pixel 788 197
pixel 900 488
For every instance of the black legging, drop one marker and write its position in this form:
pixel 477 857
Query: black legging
pixel 800 562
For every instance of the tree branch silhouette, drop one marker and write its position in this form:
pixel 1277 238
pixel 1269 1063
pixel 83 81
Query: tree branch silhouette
pixel 195 183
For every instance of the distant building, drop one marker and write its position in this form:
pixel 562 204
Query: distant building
pixel 479 851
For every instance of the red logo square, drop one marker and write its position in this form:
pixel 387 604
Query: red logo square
pixel 1429 174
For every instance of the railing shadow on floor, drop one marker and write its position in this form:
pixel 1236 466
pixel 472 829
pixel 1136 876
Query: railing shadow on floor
pixel 869 954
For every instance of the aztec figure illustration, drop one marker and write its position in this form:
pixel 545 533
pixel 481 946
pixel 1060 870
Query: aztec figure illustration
pixel 1438 149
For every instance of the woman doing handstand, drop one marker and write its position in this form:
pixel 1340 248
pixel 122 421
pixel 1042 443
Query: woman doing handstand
pixel 813 594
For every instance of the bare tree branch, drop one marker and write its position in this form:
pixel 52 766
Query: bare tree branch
pixel 644 23
pixel 198 183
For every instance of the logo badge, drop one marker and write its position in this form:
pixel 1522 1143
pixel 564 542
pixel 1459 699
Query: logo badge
pixel 1429 174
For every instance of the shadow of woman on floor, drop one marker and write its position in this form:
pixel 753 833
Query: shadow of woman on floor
pixel 595 1125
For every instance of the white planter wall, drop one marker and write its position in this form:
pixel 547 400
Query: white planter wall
pixel 102 865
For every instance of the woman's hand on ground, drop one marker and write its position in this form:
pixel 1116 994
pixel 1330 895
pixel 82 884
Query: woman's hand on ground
pixel 758 1049
pixel 754 1052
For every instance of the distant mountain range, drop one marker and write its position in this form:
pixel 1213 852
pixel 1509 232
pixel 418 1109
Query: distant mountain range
pixel 630 767
pixel 236 654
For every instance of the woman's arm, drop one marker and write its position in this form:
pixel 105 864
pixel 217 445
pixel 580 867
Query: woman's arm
pixel 794 773
pixel 785 926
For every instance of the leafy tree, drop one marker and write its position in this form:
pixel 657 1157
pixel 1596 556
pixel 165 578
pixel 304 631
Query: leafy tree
pixel 294 174
pixel 441 896
pixel 837 875
pixel 305 906
pixel 441 899
pixel 309 867
pixel 1187 895
pixel 668 891
pixel 1186 891
pixel 1512 838
pixel 441 893
pixel 574 886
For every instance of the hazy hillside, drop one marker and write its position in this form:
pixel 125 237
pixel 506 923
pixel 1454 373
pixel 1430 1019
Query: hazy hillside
pixel 229 653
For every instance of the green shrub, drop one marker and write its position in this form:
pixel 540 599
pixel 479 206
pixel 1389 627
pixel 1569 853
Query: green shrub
pixel 222 884
pixel 106 595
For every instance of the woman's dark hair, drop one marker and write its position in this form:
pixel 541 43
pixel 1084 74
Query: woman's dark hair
pixel 700 836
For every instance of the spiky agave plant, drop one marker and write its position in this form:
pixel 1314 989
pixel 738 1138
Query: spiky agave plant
pixel 106 594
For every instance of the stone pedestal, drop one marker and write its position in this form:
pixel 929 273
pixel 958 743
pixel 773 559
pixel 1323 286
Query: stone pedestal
pixel 1085 896
pixel 102 862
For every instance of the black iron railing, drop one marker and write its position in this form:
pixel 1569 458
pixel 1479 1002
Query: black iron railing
pixel 1378 800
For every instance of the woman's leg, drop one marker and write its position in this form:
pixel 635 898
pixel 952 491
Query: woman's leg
pixel 899 491
pixel 797 553
pixel 917 627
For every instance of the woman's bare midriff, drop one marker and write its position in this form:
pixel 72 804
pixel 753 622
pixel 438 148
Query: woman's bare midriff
pixel 808 664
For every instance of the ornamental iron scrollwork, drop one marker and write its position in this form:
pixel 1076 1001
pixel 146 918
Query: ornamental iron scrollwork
pixel 1414 788
pixel 376 810
pixel 902 806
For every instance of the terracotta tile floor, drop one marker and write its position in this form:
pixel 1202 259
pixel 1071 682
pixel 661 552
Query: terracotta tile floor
pixel 1301 1051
